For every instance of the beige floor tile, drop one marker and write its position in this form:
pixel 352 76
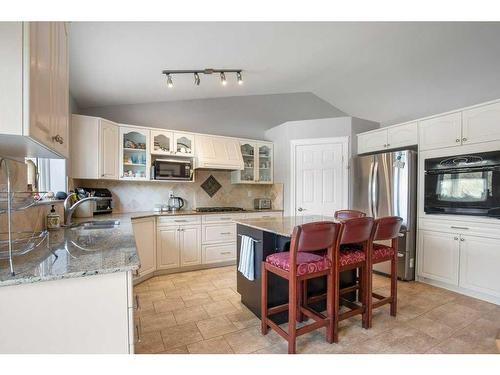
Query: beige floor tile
pixel 150 343
pixel 220 308
pixel 204 286
pixel 243 319
pixel 224 283
pixel 160 285
pixel 178 292
pixel 214 327
pixel 453 315
pixel 149 296
pixel 190 314
pixel 224 294
pixel 180 335
pixel 431 327
pixel 157 322
pixel 248 340
pixel 168 304
pixel 197 299
pixel 216 345
pixel 179 350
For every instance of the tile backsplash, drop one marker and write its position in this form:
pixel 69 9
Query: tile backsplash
pixel 132 196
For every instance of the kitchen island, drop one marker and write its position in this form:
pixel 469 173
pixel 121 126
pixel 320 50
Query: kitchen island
pixel 72 294
pixel 271 236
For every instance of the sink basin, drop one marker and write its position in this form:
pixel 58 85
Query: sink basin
pixel 93 235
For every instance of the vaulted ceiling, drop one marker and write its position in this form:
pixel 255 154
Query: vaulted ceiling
pixel 385 72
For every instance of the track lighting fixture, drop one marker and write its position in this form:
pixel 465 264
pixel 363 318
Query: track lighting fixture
pixel 196 73
pixel 170 84
pixel 223 80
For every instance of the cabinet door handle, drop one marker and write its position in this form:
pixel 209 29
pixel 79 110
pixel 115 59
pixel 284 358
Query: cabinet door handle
pixel 137 306
pixel 225 218
pixel 462 239
pixel 138 336
pixel 58 139
pixel 457 140
pixel 455 238
pixel 454 227
pixel 464 139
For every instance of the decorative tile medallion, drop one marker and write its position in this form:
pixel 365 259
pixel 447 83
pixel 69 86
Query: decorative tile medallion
pixel 211 186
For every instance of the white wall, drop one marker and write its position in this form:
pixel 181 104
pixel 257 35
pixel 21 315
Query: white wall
pixel 282 135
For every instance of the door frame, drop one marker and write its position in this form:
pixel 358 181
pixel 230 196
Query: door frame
pixel 345 166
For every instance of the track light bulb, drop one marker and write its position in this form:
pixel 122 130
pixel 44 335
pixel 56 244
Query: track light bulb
pixel 196 79
pixel 169 81
pixel 223 79
pixel 239 77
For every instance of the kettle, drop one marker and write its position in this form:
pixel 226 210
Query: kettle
pixel 175 203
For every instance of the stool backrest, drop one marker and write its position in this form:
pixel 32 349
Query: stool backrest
pixel 356 230
pixel 386 228
pixel 348 214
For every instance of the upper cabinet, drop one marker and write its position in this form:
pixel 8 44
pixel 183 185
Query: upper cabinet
pixel 440 132
pixel 135 157
pixel 258 163
pixel 162 142
pixel 388 138
pixel 481 124
pixel 218 152
pixel 91 134
pixel 34 103
pixel 184 144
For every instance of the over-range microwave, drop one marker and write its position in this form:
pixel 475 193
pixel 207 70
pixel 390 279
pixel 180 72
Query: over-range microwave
pixel 463 185
pixel 172 169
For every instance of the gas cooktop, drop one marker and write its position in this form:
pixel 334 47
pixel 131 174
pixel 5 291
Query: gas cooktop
pixel 219 209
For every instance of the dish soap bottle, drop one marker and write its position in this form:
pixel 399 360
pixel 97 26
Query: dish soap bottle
pixel 53 219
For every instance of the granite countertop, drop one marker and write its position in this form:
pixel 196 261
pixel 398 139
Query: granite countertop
pixel 282 226
pixel 71 253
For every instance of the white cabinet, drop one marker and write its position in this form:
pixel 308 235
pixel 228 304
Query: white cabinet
pixel 218 152
pixel 388 138
pixel 168 247
pixel 162 142
pixel 439 256
pixel 190 245
pixel 178 246
pixel 479 264
pixel 135 156
pixel 183 144
pixel 440 132
pixel 217 253
pixel 34 104
pixel 481 124
pixel 145 240
pixel 258 163
pixel 88 135
pixel 219 233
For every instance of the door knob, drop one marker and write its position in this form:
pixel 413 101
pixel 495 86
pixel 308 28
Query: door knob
pixel 300 209
pixel 58 139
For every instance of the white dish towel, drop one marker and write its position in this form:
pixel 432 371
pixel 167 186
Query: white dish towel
pixel 247 255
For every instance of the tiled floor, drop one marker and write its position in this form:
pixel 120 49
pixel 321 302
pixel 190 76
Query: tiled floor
pixel 201 312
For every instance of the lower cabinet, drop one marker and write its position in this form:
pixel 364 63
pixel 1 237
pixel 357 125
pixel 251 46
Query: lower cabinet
pixel 216 253
pixel 145 240
pixel 439 256
pixel 178 246
pixel 190 245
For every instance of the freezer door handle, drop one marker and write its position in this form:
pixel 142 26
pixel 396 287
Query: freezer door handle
pixel 375 190
pixel 370 189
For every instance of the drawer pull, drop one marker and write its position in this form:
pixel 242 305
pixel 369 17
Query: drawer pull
pixel 226 252
pixel 138 336
pixel 226 233
pixel 136 307
pixel 180 221
pixel 454 227
pixel 226 218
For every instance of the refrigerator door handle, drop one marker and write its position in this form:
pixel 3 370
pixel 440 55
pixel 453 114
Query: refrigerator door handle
pixel 375 190
pixel 370 190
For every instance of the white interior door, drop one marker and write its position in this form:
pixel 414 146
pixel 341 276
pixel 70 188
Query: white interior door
pixel 319 176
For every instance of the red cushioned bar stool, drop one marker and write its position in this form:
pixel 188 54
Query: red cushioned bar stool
pixel 305 260
pixel 384 229
pixel 348 214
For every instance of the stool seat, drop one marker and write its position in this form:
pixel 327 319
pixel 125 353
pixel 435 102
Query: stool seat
pixel 382 252
pixel 306 262
pixel 351 255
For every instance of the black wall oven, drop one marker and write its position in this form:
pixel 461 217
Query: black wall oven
pixel 463 185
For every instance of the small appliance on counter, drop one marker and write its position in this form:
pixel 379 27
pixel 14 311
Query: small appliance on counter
pixel 262 203
pixel 175 203
pixel 91 208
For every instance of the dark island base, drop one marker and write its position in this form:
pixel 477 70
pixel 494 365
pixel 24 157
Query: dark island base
pixel 269 243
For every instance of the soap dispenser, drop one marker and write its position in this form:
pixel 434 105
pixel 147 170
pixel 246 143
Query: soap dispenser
pixel 53 219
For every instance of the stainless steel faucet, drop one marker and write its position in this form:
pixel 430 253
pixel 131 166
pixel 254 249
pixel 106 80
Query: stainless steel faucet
pixel 70 207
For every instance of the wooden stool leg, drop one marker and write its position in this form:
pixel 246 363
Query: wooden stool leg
pixel 365 317
pixel 292 314
pixel 368 296
pixel 394 284
pixel 300 300
pixel 263 301
pixel 329 307
pixel 361 281
pixel 336 304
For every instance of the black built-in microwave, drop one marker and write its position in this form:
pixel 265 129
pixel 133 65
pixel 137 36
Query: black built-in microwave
pixel 463 185
pixel 173 169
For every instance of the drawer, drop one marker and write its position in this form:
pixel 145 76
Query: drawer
pixel 482 229
pixel 219 253
pixel 222 218
pixel 263 215
pixel 219 232
pixel 179 220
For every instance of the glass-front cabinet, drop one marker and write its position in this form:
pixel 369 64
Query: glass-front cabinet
pixel 162 142
pixel 134 153
pixel 257 164
pixel 183 144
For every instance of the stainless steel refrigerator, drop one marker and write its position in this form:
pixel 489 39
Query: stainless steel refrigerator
pixel 386 185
